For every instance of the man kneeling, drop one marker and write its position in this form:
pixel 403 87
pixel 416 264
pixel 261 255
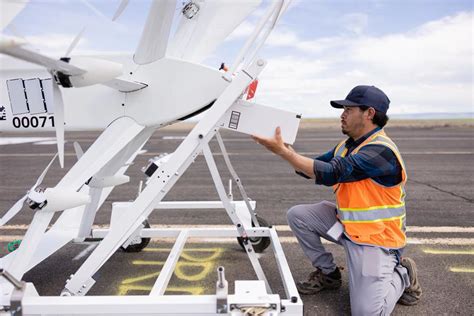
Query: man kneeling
pixel 368 177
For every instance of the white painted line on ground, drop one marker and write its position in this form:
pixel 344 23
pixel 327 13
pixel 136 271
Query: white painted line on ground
pixel 439 229
pixel 85 252
pixel 283 228
pixel 8 238
pixel 292 240
pixel 448 252
pixel 22 140
pixel 47 142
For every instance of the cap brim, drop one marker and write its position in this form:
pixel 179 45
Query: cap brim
pixel 339 104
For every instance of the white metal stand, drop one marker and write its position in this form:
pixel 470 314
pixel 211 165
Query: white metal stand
pixel 128 224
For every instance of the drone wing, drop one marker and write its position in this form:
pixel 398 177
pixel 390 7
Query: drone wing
pixel 154 39
pixel 198 36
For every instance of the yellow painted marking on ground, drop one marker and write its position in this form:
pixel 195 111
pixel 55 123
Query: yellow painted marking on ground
pixel 184 270
pixel 180 267
pixel 147 263
pixel 192 290
pixel 215 253
pixel 189 290
pixel 125 289
pixel 183 275
pixel 141 278
pixel 449 252
pixel 461 270
pixel 150 249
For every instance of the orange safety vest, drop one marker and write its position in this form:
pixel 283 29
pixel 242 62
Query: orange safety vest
pixel 372 214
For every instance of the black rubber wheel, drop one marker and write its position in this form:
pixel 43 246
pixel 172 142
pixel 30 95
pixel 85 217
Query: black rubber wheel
pixel 138 246
pixel 259 243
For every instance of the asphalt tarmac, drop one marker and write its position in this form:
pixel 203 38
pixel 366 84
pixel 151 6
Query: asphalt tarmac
pixel 440 216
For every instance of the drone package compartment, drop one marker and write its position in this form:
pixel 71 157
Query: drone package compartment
pixel 255 119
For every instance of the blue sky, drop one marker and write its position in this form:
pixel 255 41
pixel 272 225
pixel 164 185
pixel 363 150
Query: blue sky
pixel 420 52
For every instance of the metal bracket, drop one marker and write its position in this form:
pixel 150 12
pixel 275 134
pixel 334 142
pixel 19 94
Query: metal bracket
pixel 17 294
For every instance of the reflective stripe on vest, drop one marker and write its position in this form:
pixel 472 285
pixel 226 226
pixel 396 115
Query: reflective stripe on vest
pixel 370 212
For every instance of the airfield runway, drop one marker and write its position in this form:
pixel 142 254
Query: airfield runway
pixel 440 207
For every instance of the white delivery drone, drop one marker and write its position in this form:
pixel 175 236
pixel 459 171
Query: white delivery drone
pixel 129 97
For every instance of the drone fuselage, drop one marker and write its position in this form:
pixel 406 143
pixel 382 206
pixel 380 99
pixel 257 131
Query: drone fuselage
pixel 175 89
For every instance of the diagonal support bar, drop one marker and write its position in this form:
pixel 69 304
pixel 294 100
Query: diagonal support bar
pixel 237 180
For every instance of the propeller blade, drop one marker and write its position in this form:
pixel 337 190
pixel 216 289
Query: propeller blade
pixel 95 10
pixel 39 59
pixel 13 211
pixel 78 37
pixel 41 177
pixel 10 9
pixel 19 204
pixel 122 6
pixel 75 41
pixel 59 121
pixel 78 150
pixel 154 39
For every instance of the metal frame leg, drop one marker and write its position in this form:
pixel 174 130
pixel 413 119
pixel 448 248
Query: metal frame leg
pixel 232 214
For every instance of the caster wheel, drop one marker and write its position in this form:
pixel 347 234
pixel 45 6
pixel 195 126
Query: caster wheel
pixel 139 244
pixel 259 243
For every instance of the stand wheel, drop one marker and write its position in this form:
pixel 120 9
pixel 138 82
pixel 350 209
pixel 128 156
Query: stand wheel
pixel 140 243
pixel 259 243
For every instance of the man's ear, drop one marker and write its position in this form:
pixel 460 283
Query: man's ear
pixel 370 113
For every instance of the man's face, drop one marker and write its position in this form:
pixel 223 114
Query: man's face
pixel 352 121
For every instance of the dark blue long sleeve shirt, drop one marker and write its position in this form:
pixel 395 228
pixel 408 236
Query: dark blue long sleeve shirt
pixel 371 161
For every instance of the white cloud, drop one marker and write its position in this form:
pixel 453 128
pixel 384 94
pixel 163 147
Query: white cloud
pixel 428 69
pixel 355 22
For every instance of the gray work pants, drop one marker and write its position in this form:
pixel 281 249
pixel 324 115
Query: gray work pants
pixel 376 280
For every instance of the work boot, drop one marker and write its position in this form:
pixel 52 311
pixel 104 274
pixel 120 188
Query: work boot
pixel 319 281
pixel 412 294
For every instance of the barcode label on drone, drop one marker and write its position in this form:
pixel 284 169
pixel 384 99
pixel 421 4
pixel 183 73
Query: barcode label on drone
pixel 33 96
pixel 234 120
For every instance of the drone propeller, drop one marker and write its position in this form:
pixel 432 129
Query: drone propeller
pixel 58 99
pixel 154 39
pixel 75 41
pixel 19 204
pixel 59 121
pixel 117 14
pixel 78 149
pixel 122 6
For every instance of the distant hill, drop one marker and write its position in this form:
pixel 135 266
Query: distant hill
pixel 432 116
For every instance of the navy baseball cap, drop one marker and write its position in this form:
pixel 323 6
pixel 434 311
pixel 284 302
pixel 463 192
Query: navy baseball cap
pixel 365 95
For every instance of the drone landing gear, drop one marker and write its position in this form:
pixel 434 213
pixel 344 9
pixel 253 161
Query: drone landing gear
pixel 259 244
pixel 137 243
